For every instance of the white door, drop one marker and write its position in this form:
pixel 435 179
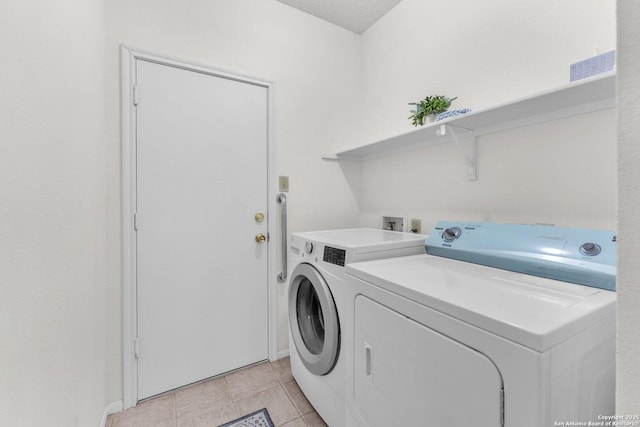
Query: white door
pixel 201 177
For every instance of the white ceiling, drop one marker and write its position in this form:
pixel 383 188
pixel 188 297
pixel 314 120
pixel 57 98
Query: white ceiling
pixel 354 15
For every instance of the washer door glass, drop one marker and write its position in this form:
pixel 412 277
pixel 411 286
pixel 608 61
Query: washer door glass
pixel 310 318
pixel 313 319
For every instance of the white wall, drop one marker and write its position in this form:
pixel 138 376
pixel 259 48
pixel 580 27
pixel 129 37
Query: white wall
pixel 316 67
pixel 52 213
pixel 628 377
pixel 561 172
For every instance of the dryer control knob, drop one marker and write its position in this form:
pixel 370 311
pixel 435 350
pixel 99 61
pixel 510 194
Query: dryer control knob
pixel 451 234
pixel 590 249
pixel 308 247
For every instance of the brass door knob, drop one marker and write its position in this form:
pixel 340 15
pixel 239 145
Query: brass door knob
pixel 261 238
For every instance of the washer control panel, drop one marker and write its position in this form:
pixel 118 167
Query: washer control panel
pixel 334 256
pixel 582 256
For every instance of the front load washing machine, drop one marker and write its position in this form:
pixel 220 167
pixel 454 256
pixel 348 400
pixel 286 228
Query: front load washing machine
pixel 317 306
pixel 496 325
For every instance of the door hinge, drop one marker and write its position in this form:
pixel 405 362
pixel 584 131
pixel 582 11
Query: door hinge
pixel 135 221
pixel 136 347
pixel 136 95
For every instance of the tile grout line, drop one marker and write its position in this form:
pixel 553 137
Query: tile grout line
pixel 281 385
pixel 284 389
pixel 233 401
pixel 290 399
pixel 175 407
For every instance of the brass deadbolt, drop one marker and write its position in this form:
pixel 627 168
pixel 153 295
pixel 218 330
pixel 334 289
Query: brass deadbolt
pixel 259 217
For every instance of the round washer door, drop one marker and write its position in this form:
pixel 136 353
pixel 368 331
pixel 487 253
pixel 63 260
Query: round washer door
pixel 313 318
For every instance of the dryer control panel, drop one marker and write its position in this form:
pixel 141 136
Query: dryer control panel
pixel 575 255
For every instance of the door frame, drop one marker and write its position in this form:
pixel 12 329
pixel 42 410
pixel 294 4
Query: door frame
pixel 128 57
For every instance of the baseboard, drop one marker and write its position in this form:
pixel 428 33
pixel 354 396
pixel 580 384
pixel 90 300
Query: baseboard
pixel 283 353
pixel 111 408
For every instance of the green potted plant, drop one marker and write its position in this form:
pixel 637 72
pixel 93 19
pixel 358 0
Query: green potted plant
pixel 430 106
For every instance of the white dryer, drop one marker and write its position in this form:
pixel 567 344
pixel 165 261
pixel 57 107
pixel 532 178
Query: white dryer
pixel 474 336
pixel 317 306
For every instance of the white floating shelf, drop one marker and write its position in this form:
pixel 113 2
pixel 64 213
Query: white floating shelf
pixel 584 96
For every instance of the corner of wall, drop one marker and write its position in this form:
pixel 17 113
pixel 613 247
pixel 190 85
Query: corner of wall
pixel 628 369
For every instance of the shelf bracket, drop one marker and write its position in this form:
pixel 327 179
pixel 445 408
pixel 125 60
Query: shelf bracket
pixel 465 139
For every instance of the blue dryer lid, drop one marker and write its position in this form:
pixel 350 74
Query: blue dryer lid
pixel 582 256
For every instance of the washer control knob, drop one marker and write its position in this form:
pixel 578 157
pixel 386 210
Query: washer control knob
pixel 451 234
pixel 590 249
pixel 308 247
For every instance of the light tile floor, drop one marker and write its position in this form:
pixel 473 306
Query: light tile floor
pixel 223 399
